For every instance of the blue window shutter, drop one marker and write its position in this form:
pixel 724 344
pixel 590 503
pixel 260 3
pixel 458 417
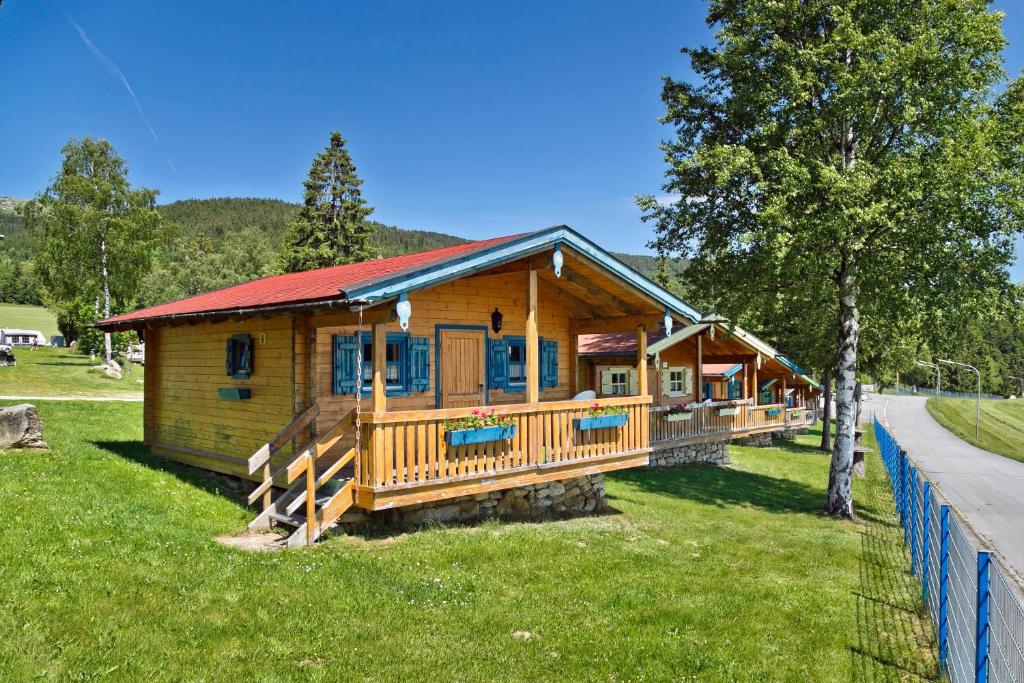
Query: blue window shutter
pixel 419 363
pixel 345 359
pixel 549 363
pixel 708 391
pixel 498 376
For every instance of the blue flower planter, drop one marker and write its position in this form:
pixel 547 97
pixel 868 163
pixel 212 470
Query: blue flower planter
pixel 601 421
pixel 772 412
pixel 464 437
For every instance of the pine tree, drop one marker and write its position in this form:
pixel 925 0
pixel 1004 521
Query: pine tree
pixel 332 226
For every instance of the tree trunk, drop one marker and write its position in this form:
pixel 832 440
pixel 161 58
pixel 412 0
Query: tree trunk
pixel 826 412
pixel 107 345
pixel 840 482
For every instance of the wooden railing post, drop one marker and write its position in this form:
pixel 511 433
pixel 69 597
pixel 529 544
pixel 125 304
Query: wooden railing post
pixel 311 497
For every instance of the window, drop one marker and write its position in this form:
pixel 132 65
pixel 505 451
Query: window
pixel 516 361
pixel 406 369
pixel 619 383
pixel 395 358
pixel 239 356
pixel 675 381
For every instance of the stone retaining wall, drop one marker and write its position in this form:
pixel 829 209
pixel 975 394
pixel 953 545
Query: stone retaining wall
pixel 713 453
pixel 551 499
pixel 759 440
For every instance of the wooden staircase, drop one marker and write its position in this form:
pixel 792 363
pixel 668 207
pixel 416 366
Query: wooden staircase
pixel 316 496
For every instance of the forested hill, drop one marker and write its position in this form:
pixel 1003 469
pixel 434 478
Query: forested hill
pixel 217 242
pixel 224 216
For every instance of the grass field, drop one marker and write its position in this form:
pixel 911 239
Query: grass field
pixel 1002 423
pixel 64 372
pixel 28 318
pixel 110 571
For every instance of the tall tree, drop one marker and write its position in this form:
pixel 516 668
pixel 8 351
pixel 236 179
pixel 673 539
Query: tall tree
pixel 98 233
pixel 332 226
pixel 854 156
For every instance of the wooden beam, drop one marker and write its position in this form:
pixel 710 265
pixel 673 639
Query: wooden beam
pixel 574 365
pixel 641 361
pixel 757 392
pixel 379 396
pixel 599 293
pixel 700 368
pixel 384 313
pixel 717 358
pixel 580 304
pixel 523 265
pixel 626 323
pixel 532 348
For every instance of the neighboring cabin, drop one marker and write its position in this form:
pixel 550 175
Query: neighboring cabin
pixel 15 337
pixel 371 362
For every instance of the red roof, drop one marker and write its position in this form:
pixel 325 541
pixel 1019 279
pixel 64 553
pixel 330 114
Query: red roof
pixel 324 284
pixel 614 343
pixel 716 368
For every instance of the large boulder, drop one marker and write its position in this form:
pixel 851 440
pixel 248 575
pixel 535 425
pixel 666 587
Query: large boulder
pixel 20 427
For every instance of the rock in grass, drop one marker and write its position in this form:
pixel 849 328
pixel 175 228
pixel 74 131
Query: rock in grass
pixel 20 427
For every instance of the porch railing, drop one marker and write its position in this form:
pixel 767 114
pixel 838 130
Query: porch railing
pixel 406 448
pixel 724 417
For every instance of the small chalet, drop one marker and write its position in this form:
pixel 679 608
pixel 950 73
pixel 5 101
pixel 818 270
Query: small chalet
pixel 409 381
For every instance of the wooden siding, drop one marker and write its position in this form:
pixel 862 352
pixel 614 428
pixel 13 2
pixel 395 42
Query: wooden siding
pixel 184 417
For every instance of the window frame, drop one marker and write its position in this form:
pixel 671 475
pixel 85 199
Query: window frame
pixel 239 349
pixel 520 342
pixel 404 362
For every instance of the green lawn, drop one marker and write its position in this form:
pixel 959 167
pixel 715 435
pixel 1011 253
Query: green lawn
pixel 64 372
pixel 1002 423
pixel 28 318
pixel 110 571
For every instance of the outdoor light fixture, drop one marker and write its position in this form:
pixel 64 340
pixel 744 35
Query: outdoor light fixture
pixel 496 319
pixel 404 310
pixel 557 260
pixel 938 375
pixel 668 323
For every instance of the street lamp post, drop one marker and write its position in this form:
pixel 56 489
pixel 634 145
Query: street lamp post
pixel 938 375
pixel 977 403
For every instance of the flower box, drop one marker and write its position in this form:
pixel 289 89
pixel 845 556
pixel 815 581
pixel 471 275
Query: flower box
pixel 772 412
pixel 601 421
pixel 796 415
pixel 678 417
pixel 464 437
pixel 729 411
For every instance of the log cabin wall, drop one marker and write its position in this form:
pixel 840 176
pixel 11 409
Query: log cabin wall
pixel 186 420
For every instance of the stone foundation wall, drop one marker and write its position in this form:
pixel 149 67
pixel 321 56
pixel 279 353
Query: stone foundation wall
pixel 551 499
pixel 760 440
pixel 714 453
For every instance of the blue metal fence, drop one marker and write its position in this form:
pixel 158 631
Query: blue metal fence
pixel 975 608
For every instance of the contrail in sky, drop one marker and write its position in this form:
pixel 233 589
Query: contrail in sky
pixel 116 72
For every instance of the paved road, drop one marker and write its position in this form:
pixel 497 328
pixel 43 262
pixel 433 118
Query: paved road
pixel 987 489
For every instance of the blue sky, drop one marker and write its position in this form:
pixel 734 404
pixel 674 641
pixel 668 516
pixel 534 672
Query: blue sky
pixel 471 118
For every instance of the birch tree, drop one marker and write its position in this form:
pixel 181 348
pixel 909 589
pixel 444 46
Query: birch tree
pixel 97 232
pixel 849 156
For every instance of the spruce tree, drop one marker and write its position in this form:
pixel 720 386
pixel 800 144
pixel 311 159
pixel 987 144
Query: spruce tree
pixel 332 226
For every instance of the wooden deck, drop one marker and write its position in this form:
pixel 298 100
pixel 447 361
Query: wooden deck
pixel 402 458
pixel 724 420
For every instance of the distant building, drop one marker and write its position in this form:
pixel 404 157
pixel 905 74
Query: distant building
pixel 14 337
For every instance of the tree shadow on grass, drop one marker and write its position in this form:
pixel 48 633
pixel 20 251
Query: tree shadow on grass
pixel 725 486
pixel 895 640
pixel 224 485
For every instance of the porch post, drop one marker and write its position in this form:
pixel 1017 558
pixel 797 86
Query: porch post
pixel 574 366
pixel 746 382
pixel 641 360
pixel 755 389
pixel 700 370
pixel 379 396
pixel 532 350
pixel 782 398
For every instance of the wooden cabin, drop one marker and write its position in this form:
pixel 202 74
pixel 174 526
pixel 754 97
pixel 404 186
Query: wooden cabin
pixel 732 383
pixel 341 385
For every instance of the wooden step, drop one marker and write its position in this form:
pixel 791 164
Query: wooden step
pixel 295 521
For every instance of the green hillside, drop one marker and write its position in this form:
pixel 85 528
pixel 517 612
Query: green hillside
pixel 28 318
pixel 217 242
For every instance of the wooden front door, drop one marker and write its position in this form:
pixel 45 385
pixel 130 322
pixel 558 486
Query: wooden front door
pixel 463 371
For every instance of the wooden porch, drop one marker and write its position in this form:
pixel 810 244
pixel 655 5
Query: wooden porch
pixel 403 458
pixel 717 421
